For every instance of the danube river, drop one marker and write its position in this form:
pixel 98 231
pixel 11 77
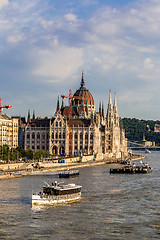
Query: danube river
pixel 112 207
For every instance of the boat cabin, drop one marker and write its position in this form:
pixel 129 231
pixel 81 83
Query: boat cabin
pixel 61 189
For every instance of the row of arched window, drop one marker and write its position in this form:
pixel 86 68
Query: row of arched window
pixel 38 136
pixel 81 136
pixel 58 124
pixel 62 135
pixel 58 135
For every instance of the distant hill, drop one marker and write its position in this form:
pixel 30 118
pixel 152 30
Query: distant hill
pixel 136 129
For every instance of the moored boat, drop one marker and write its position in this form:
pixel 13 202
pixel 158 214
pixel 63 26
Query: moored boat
pixel 133 168
pixel 57 193
pixel 69 173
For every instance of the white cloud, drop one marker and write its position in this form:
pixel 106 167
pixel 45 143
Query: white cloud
pixel 46 24
pixel 15 38
pixel 71 17
pixel 58 64
pixel 148 63
pixel 3 3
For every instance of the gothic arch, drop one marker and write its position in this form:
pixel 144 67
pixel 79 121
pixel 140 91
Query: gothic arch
pixel 55 150
pixel 62 150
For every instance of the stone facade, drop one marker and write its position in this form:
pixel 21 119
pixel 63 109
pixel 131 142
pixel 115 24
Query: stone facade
pixel 78 129
pixel 8 131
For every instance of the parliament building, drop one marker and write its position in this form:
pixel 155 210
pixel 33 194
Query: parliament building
pixel 77 129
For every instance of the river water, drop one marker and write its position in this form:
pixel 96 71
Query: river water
pixel 112 207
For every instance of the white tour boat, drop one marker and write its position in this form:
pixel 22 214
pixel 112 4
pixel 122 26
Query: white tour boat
pixel 57 193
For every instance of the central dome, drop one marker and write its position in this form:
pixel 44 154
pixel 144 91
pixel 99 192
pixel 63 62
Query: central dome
pixel 84 93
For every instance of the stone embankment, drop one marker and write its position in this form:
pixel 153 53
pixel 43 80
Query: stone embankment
pixel 22 169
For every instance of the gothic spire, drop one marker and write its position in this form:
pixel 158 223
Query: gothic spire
pixel 102 110
pixel 62 106
pixel 82 81
pixel 29 116
pixel 116 117
pixel 58 105
pixel 110 98
pixel 33 115
pixel 115 103
pixel 110 114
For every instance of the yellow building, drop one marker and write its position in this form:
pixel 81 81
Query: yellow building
pixel 8 131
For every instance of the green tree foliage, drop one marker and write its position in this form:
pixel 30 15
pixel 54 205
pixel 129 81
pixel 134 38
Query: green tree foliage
pixel 11 154
pixel 136 129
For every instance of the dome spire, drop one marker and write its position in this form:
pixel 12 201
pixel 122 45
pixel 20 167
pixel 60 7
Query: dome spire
pixel 82 81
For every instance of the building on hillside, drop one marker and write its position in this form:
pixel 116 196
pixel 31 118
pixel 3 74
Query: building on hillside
pixel 146 143
pixel 156 128
pixel 8 131
pixel 78 129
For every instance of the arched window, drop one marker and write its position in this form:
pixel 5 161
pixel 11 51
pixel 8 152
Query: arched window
pixel 60 136
pixel 54 150
pixel 86 137
pixel 33 135
pixel 81 136
pixel 91 136
pixel 81 140
pixel 38 136
pixel 64 135
pixel 52 134
pixel 56 135
pixel 75 136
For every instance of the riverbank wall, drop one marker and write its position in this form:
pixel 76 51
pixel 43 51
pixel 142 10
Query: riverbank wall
pixel 20 169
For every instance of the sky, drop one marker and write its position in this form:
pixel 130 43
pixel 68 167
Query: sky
pixel 45 46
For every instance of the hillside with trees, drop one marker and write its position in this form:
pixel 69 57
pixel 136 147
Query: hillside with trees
pixel 136 129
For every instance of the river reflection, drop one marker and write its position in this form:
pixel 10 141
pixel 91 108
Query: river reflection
pixel 112 207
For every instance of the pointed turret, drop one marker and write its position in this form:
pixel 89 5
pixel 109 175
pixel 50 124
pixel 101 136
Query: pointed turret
pixel 58 105
pixel 62 105
pixel 100 112
pixel 116 117
pixel 110 114
pixel 29 116
pixel 110 98
pixel 115 103
pixel 33 115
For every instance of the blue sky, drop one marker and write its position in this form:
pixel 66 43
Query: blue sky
pixel 45 45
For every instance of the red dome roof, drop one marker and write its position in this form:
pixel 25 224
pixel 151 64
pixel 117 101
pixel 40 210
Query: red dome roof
pixel 83 92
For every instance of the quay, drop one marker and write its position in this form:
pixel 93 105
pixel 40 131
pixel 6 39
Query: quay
pixel 12 170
